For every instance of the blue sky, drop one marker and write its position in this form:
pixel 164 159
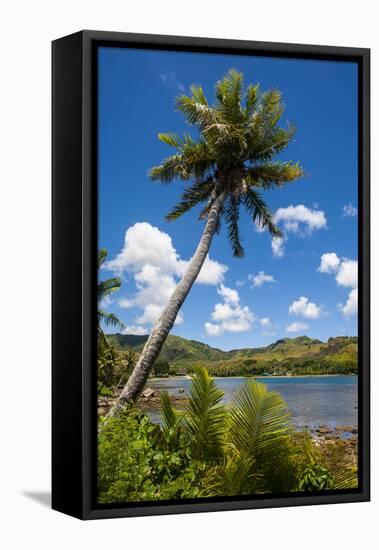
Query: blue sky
pixel 304 285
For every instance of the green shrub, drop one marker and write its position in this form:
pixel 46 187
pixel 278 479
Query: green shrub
pixel 135 462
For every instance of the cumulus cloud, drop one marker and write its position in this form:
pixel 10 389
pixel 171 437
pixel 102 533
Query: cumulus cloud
pixel 346 275
pixel 149 256
pixel 329 263
pixel 134 329
pixel 230 295
pixel 260 279
pixel 277 246
pixel 351 306
pixel 297 327
pixel 349 210
pixel 304 308
pixel 229 316
pixel 265 322
pixel 298 220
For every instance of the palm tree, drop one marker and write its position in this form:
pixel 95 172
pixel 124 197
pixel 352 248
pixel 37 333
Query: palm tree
pixel 228 165
pixel 104 289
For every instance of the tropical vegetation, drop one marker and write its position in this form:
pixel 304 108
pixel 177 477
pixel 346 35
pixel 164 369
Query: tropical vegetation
pixel 211 450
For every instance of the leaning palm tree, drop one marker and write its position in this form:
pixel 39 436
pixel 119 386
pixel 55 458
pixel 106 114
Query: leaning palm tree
pixel 104 289
pixel 228 166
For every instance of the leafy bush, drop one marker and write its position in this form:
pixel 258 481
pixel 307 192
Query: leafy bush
pixel 315 477
pixel 135 462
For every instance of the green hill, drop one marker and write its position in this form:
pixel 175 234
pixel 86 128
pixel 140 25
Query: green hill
pixel 301 355
pixel 175 348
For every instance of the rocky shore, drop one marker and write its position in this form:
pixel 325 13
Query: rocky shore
pixel 322 435
pixel 149 400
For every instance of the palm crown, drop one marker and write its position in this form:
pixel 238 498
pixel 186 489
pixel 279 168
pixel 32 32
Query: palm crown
pixel 238 138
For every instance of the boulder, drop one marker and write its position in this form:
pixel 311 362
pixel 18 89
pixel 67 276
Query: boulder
pixel 324 430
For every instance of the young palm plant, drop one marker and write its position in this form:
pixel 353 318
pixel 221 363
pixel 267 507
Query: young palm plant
pixel 258 450
pixel 247 448
pixel 228 166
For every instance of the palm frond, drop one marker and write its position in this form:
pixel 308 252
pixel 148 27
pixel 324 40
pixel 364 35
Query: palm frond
pixel 235 476
pixel 198 158
pixel 204 419
pixel 198 94
pixel 171 168
pixel 101 256
pixel 231 216
pixel 252 98
pixel 259 427
pixel 194 111
pixel 258 417
pixel 273 174
pixel 261 214
pixel 105 288
pixel 346 477
pixel 193 195
pixel 228 93
pixel 110 319
pixel 169 415
pixel 273 140
pixel 171 138
pixel 271 104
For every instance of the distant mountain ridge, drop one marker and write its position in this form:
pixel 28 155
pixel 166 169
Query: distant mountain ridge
pixel 286 355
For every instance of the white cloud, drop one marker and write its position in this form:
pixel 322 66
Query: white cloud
pixel 329 263
pixel 133 329
pixel 229 316
pixel 149 255
pixel 260 279
pixel 346 274
pixel 277 245
pixel 212 272
pixel 304 308
pixel 297 327
pixel 240 282
pixel 351 306
pixel 212 330
pixel 350 211
pixel 265 322
pixel 230 295
pixel 298 218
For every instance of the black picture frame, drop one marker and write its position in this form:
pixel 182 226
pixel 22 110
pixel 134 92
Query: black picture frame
pixel 74 207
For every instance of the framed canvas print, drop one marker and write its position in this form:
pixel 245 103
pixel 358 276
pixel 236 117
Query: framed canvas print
pixel 210 274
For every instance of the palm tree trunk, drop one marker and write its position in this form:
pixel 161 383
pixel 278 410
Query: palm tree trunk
pixel 165 323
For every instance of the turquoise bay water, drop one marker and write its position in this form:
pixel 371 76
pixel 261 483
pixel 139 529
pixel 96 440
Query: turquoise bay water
pixel 312 400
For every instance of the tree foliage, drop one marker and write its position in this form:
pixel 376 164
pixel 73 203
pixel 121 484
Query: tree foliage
pixel 238 138
pixel 104 289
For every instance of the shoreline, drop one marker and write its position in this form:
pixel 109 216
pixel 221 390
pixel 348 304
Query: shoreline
pixel 188 377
